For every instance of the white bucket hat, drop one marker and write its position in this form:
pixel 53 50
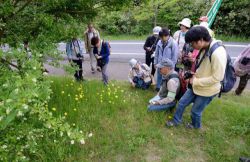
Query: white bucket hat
pixel 185 22
pixel 133 62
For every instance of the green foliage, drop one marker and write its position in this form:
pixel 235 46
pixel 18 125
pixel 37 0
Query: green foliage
pixel 233 18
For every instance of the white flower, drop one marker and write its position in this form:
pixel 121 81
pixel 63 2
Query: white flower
pixel 25 106
pixel 82 142
pixel 8 100
pixel 34 68
pixel 16 90
pixel 61 134
pixel 34 80
pixel 19 114
pixel 4 146
pixel 5 85
pixel 18 138
pixel 69 133
pixel 7 111
pixel 72 142
pixel 90 134
pixel 80 131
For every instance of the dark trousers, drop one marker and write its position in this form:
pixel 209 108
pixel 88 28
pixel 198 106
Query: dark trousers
pixel 242 84
pixel 78 73
pixel 150 61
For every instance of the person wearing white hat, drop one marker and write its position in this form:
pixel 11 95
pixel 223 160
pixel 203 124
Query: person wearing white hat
pixel 179 35
pixel 150 46
pixel 139 75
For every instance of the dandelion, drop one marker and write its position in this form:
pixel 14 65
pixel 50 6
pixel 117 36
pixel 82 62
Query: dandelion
pixel 171 134
pixel 101 101
pixel 116 96
pixel 65 114
pixel 80 96
pixel 90 134
pixel 4 146
pixel 62 92
pixel 82 142
pixel 72 142
pixel 54 109
pixel 169 117
pixel 69 95
pixel 34 68
pixel 76 99
pixel 74 124
pixel 67 85
pixel 71 84
pixel 74 109
pixel 51 81
pixel 124 101
pixel 80 131
pixel 19 114
pixel 69 133
pixel 61 134
pixel 110 102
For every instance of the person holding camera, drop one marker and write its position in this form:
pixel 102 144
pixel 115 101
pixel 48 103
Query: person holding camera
pixel 205 83
pixel 150 46
pixel 166 48
pixel 242 69
pixel 170 87
pixel 75 55
pixel 101 51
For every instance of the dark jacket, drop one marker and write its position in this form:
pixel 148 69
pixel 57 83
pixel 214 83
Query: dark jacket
pixel 151 42
pixel 105 52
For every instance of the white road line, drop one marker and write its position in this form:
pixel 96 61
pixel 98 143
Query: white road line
pixel 139 43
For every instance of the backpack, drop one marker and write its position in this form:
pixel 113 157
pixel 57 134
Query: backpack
pixel 103 43
pixel 229 78
pixel 183 85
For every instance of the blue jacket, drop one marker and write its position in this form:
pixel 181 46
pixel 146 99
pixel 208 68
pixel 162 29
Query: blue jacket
pixel 171 51
pixel 70 50
pixel 105 52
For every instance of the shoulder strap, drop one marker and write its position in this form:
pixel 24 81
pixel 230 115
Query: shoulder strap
pixel 213 48
pixel 171 76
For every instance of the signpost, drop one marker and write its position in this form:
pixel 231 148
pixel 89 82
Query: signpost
pixel 213 11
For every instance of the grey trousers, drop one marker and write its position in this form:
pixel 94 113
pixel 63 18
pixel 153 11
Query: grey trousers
pixel 105 74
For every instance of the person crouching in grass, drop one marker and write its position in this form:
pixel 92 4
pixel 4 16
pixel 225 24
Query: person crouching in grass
pixel 170 87
pixel 101 51
pixel 139 75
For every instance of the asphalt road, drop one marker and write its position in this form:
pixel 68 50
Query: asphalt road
pixel 123 51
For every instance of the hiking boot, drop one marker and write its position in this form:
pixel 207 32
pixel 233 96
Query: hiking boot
pixel 157 89
pixel 99 69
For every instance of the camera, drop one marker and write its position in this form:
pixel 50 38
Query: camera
pixel 185 58
pixel 187 75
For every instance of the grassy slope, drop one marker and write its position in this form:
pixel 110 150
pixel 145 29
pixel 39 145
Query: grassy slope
pixel 124 130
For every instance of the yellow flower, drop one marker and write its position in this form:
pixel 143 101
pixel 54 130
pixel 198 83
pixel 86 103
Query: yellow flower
pixel 101 101
pixel 80 96
pixel 109 101
pixel 76 99
pixel 74 109
pixel 69 95
pixel 124 101
pixel 116 96
pixel 71 84
pixel 169 117
pixel 62 92
pixel 54 109
pixel 74 124
pixel 65 114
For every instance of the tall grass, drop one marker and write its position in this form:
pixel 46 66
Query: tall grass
pixel 123 130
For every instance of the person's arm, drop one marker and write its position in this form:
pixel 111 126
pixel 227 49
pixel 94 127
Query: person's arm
pixel 130 78
pixel 175 52
pixel 107 51
pixel 156 55
pixel 80 48
pixel 218 63
pixel 147 44
pixel 172 87
pixel 176 35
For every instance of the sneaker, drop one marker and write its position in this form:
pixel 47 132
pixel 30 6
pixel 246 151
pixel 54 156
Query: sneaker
pixel 99 69
pixel 171 124
pixel 243 159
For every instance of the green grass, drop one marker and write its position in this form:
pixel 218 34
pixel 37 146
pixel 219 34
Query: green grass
pixel 123 130
pixel 224 38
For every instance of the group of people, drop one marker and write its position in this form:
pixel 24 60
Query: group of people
pixel 97 49
pixel 190 68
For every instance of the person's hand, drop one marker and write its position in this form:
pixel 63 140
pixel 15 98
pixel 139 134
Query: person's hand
pixel 155 103
pixel 99 57
pixel 149 49
pixel 192 79
pixel 132 84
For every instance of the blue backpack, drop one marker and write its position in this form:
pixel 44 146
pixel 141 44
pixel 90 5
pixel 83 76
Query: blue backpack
pixel 229 79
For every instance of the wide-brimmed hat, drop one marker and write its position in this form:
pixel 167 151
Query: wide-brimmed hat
pixel 185 22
